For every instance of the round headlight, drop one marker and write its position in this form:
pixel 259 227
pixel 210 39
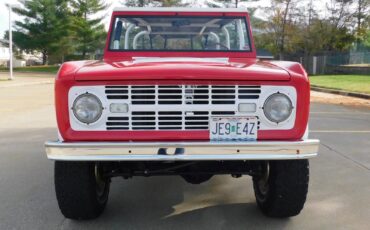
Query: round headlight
pixel 87 108
pixel 277 107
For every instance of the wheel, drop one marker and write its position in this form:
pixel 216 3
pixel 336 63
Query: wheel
pixel 281 188
pixel 81 190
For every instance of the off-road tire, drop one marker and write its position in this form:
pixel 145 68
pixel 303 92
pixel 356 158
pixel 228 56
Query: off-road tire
pixel 287 188
pixel 77 190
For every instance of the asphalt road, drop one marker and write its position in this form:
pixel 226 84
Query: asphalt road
pixel 339 194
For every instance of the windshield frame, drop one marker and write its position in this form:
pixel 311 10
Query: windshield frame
pixel 178 50
pixel 121 53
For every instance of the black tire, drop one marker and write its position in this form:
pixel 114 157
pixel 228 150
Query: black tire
pixel 281 190
pixel 81 192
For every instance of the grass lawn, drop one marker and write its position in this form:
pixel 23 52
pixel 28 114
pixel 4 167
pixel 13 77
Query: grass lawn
pixel 36 69
pixel 353 83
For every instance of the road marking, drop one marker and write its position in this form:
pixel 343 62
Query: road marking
pixel 339 131
pixel 345 156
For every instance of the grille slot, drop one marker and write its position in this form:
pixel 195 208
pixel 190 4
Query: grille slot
pixel 143 95
pixel 117 123
pixel 116 92
pixel 145 120
pixel 169 95
pixel 170 120
pixel 249 92
pixel 223 95
pixel 223 113
pixel 197 120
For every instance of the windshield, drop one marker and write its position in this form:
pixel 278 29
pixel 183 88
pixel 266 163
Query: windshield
pixel 169 33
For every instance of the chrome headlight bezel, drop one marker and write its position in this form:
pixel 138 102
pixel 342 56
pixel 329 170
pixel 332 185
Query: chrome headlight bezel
pixel 270 116
pixel 93 99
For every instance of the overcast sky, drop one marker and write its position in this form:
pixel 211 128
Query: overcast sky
pixel 4 15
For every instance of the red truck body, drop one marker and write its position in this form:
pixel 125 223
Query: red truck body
pixel 155 107
pixel 117 68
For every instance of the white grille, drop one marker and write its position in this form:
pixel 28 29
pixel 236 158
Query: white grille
pixel 176 107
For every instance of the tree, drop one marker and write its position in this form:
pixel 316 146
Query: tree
pixel 64 45
pixel 41 29
pixel 89 32
pixel 287 8
pixel 135 3
pixel 17 53
pixel 362 19
pixel 169 3
pixel 338 24
pixel 256 22
pixel 227 3
pixel 339 12
pixel 311 30
pixel 160 3
pixel 325 37
pixel 367 40
pixel 279 32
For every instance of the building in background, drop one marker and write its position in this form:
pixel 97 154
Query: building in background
pixel 4 53
pixel 20 58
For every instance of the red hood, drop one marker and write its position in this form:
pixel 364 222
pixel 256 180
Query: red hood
pixel 182 69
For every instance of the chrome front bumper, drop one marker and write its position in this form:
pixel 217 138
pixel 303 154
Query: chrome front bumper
pixel 181 151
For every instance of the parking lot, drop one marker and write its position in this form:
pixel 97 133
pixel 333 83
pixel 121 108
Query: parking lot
pixel 339 193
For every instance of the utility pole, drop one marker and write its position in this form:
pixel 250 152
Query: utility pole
pixel 10 43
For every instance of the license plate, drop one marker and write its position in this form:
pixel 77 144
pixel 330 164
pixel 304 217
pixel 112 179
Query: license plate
pixel 233 128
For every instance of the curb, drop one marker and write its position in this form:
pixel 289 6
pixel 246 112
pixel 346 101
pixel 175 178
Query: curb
pixel 341 92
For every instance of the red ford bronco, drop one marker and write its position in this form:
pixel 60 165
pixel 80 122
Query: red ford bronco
pixel 181 92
